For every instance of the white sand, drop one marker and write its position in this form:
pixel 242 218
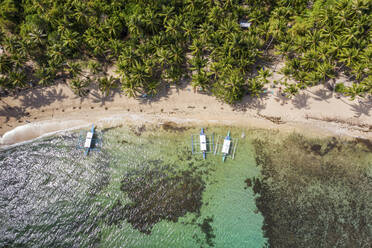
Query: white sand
pixel 41 111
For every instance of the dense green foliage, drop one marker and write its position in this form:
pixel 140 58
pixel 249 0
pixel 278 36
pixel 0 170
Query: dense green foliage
pixel 330 38
pixel 159 42
pixel 314 193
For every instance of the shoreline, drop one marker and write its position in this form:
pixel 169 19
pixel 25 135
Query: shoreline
pixel 34 131
pixel 314 112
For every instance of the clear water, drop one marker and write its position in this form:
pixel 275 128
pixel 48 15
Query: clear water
pixel 144 189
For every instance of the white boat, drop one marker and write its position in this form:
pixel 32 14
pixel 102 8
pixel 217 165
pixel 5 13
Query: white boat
pixel 226 146
pixel 88 141
pixel 203 143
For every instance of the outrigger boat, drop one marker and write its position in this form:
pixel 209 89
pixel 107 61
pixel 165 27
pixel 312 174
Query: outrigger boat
pixel 228 146
pixel 204 145
pixel 89 141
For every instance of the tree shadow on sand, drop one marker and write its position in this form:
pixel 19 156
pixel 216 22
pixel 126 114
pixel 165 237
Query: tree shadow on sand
pixel 102 98
pixel 13 112
pixel 164 91
pixel 249 102
pixel 301 101
pixel 41 97
pixel 323 94
pixel 361 108
pixel 31 99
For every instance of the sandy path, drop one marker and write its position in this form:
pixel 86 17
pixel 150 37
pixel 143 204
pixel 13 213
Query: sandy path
pixel 39 111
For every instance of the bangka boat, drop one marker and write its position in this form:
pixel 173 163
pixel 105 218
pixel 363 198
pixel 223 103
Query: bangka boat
pixel 89 141
pixel 226 146
pixel 205 144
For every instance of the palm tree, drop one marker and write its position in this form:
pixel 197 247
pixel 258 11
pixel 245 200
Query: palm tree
pixel 140 73
pixel 173 72
pixel 215 69
pixel 158 40
pixel 264 74
pixel 200 79
pixel 116 46
pixel 215 15
pixel 292 89
pixel 105 84
pixel 191 5
pixel 337 45
pixel 313 38
pixel 70 39
pixel 5 64
pixel 348 55
pixel 229 87
pixel 152 87
pixel 74 69
pixel 151 20
pixel 129 86
pixel 81 17
pixel 45 76
pixel 79 86
pixel 354 90
pixel 10 44
pixel 163 55
pixel 255 87
pixel 56 54
pixel 326 70
pixel 127 59
pixel 205 30
pixel 113 26
pixel 358 70
pixel 197 63
pixel 177 55
pixel 98 47
pixel 94 67
pixel 167 12
pixel 228 27
pixel 18 61
pixel 173 26
pixel 17 79
pixel 188 28
pixel 197 47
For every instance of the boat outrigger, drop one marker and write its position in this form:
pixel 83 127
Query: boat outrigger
pixel 228 147
pixel 90 141
pixel 204 145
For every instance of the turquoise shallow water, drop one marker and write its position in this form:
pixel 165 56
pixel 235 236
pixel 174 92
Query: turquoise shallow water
pixel 144 189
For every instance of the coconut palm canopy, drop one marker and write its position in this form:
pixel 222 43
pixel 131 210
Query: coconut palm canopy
pixel 157 42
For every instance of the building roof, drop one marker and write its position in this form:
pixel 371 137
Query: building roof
pixel 244 24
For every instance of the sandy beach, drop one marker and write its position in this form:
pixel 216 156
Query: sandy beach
pixel 315 111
